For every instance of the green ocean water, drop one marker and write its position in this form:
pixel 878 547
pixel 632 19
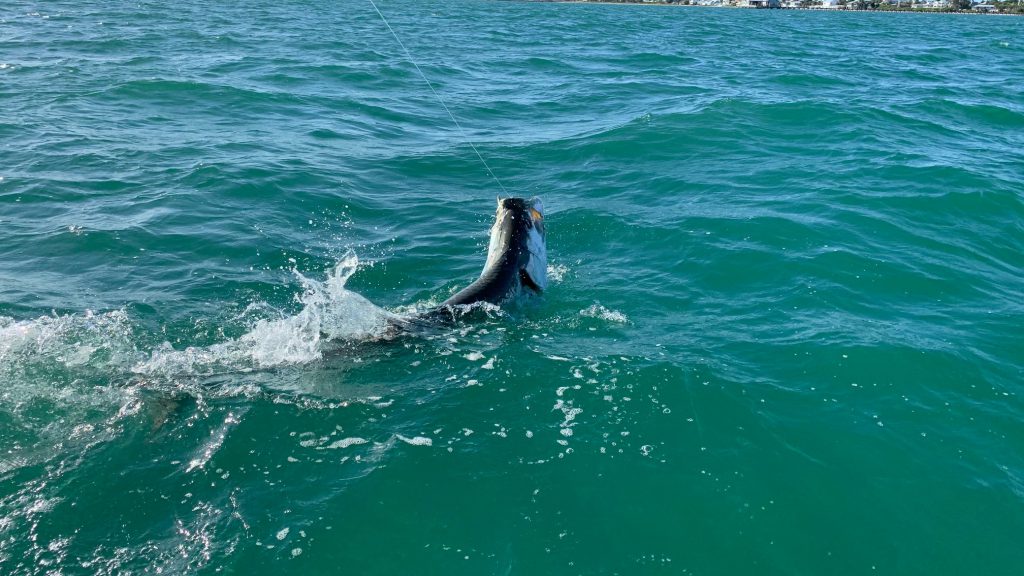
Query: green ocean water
pixel 783 332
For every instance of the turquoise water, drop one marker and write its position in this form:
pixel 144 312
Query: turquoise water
pixel 782 333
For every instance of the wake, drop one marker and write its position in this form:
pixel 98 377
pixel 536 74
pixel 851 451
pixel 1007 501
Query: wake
pixel 107 346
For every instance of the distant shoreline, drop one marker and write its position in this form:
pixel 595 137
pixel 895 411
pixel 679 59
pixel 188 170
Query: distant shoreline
pixel 726 4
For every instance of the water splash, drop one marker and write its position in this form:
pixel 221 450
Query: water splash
pixel 599 311
pixel 65 341
pixel 330 312
pixel 58 350
pixel 557 272
pixel 58 366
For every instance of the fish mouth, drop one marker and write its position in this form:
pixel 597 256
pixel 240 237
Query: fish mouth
pixel 532 211
pixel 536 212
pixel 534 273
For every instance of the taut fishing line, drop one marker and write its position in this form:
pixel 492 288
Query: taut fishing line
pixel 439 98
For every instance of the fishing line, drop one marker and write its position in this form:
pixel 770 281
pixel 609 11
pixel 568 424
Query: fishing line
pixel 439 99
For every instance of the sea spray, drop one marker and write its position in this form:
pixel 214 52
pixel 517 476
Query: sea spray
pixel 330 312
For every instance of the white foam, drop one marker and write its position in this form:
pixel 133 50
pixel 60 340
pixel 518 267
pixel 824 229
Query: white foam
pixel 89 346
pixel 329 312
pixel 557 272
pixel 213 445
pixel 599 311
pixel 416 440
pixel 344 443
pixel 69 340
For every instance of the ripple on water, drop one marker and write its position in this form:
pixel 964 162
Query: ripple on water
pixel 807 263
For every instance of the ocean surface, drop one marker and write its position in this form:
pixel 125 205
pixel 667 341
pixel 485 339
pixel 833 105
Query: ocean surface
pixel 784 332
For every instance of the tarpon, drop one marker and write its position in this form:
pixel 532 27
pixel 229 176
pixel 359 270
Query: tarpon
pixel 516 257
